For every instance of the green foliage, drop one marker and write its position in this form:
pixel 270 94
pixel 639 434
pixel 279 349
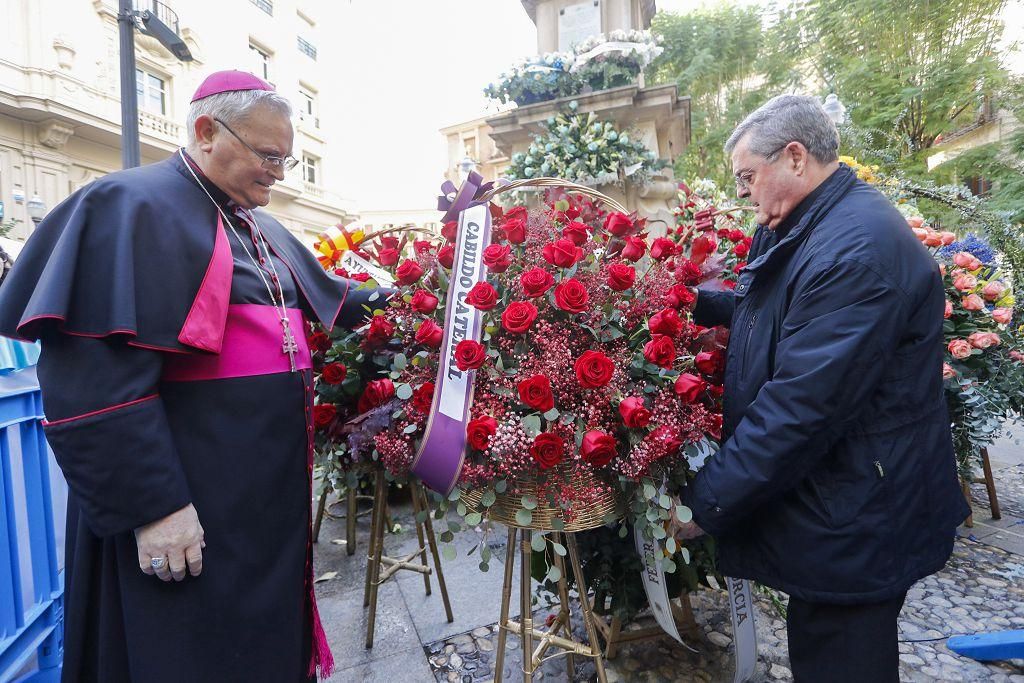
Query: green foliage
pixel 581 148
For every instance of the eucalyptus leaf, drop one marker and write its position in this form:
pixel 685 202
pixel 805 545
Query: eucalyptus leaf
pixel 448 552
pixel 529 502
pixel 559 549
pixel 537 543
pixel 473 518
pixel 683 514
pixel 554 573
pixel 400 362
pixel 488 499
pixel 524 517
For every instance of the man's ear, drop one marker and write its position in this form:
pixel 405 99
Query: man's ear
pixel 205 130
pixel 796 155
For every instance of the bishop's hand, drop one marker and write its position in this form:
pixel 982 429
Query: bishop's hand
pixel 172 546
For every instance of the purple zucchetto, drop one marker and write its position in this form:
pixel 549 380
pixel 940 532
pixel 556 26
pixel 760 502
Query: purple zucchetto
pixel 229 81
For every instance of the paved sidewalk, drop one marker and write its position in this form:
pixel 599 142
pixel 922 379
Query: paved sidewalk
pixel 981 589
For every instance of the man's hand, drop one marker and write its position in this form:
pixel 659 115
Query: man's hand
pixel 679 529
pixel 177 539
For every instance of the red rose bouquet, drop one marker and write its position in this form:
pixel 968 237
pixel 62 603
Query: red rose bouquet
pixel 591 380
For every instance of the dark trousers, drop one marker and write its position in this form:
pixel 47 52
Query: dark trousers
pixel 844 643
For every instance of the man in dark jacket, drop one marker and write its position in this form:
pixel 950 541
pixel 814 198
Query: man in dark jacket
pixel 836 481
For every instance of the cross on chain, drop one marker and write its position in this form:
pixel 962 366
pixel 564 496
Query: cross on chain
pixel 289 346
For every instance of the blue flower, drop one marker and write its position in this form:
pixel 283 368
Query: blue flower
pixel 972 244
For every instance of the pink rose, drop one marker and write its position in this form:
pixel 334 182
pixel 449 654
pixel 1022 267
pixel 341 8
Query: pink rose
pixel 966 260
pixel 965 282
pixel 972 302
pixel 1002 315
pixel 993 290
pixel 933 239
pixel 947 238
pixel 920 233
pixel 959 348
pixel 947 371
pixel 983 340
pixel 949 309
pixel 915 222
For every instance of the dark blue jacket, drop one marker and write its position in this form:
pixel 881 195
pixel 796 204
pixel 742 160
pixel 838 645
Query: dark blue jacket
pixel 836 482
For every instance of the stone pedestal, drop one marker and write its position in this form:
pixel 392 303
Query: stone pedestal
pixel 657 116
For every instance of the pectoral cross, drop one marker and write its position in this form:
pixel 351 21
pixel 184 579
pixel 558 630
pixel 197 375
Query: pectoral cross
pixel 289 346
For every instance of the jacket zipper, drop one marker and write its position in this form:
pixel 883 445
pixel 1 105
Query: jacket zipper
pixel 881 472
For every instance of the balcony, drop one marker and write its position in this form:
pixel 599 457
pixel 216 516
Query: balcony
pixel 312 190
pixel 161 11
pixel 160 127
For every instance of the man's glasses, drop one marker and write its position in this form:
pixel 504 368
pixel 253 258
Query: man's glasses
pixel 745 177
pixel 270 162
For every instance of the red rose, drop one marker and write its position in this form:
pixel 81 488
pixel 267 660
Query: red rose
pixel 579 233
pixel 618 224
pixel 536 282
pixel 572 296
pixel 736 235
pixel 562 253
pixel 689 387
pixel 666 321
pixel 498 257
pixel 379 333
pixel 376 393
pixel 469 354
pixel 408 273
pixel 663 248
pixel 423 301
pixel 516 213
pixel 635 248
pixel 450 230
pixel 680 296
pixel 593 369
pixel 446 256
pixel 598 448
pixel 324 415
pixel 518 316
pixel 334 373
pixel 387 257
pixel 423 397
pixel 515 230
pixel 547 450
pixel 341 272
pixel 422 247
pixel 621 277
pixel 318 341
pixel 703 246
pixel 360 277
pixel 688 272
pixel 535 392
pixel 389 243
pixel 480 430
pixel 660 351
pixel 634 413
pixel 708 362
pixel 430 334
pixel 482 297
pixel 741 249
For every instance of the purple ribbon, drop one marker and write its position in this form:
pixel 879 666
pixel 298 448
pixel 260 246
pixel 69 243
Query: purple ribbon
pixel 453 201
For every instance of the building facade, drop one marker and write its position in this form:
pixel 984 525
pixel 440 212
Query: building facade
pixel 60 110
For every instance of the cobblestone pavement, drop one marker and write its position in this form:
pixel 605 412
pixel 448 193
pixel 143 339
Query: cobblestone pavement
pixel 980 589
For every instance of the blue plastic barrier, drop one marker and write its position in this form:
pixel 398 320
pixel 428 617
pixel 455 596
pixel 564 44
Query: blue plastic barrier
pixel 986 647
pixel 31 585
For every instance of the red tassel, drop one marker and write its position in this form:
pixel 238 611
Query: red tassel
pixel 321 656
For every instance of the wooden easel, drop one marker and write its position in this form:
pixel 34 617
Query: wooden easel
pixel 614 636
pixel 352 514
pixel 990 485
pixel 376 559
pixel 525 629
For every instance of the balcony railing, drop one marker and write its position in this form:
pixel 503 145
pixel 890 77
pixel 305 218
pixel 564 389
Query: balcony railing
pixel 306 47
pixel 163 12
pixel 159 126
pixel 312 189
pixel 265 5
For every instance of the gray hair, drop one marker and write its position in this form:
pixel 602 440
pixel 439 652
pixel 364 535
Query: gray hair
pixel 233 107
pixel 785 119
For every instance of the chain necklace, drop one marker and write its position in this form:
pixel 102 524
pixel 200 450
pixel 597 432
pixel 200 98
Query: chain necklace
pixel 289 346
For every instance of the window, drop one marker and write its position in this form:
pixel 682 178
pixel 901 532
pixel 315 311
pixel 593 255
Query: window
pixel 310 168
pixel 260 62
pixel 306 47
pixel 308 112
pixel 265 5
pixel 151 91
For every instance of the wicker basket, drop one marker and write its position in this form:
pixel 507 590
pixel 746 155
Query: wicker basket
pixel 509 503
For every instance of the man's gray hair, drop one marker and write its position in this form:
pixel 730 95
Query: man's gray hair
pixel 233 107
pixel 785 119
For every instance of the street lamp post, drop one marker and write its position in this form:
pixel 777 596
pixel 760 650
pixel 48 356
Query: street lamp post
pixel 835 109
pixel 147 21
pixel 466 166
pixel 36 208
